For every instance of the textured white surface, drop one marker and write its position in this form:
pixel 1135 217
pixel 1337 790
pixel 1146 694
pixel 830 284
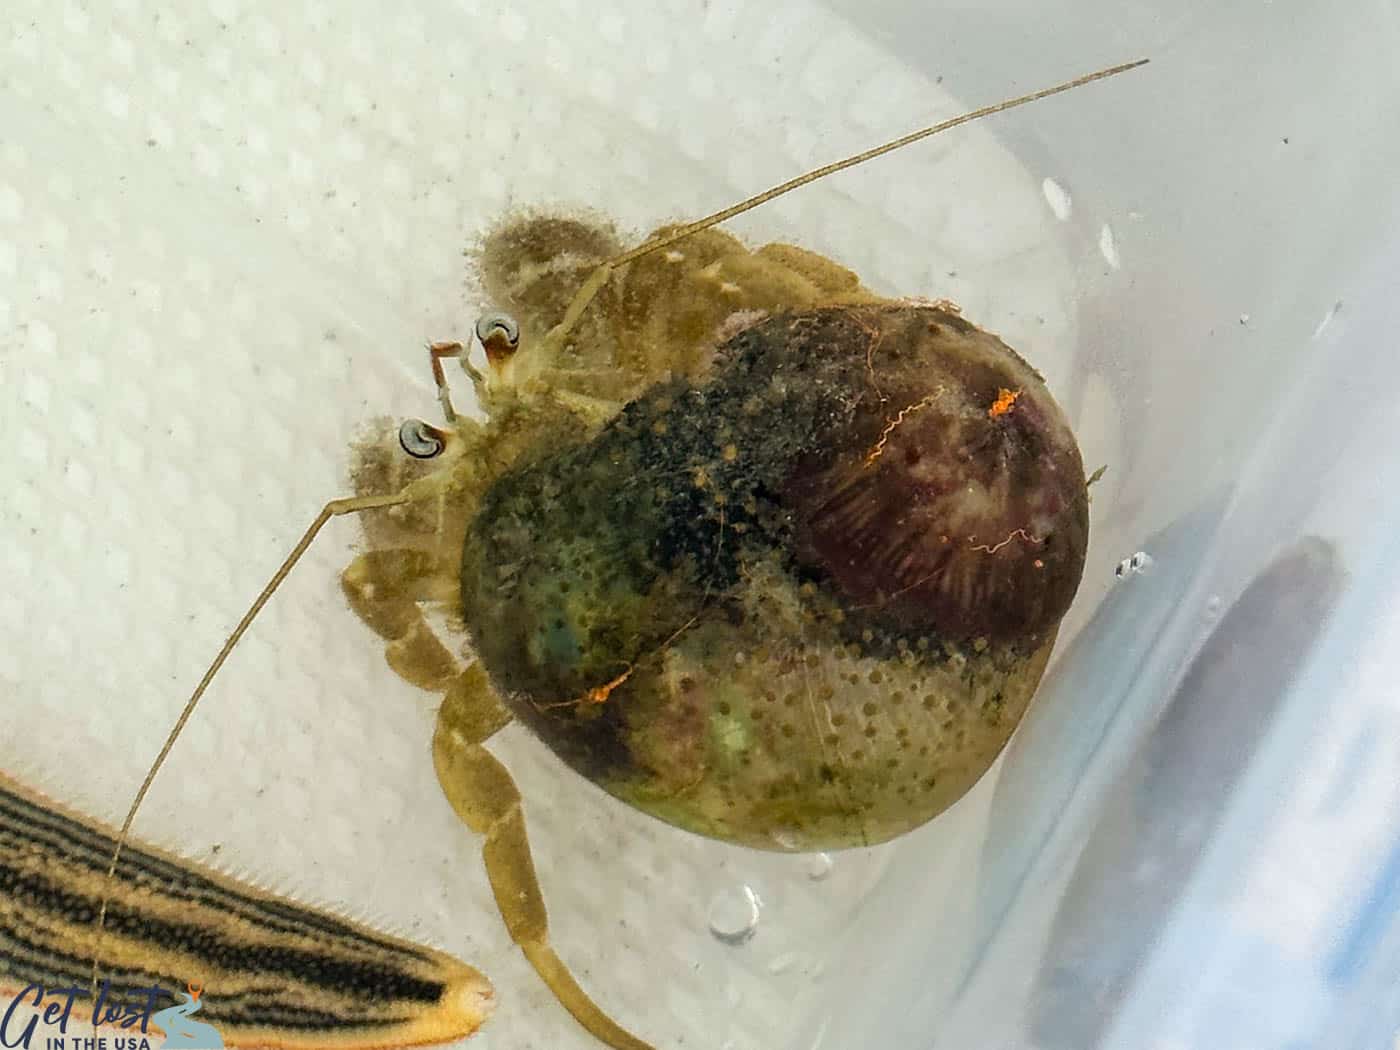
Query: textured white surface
pixel 226 230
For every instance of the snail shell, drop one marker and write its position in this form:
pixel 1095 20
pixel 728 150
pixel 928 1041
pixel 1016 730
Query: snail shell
pixel 802 600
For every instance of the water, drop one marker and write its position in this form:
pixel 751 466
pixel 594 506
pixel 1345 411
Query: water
pixel 818 866
pixel 734 914
pixel 1134 565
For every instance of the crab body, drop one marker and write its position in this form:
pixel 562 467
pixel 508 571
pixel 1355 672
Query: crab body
pixel 796 593
pixel 756 551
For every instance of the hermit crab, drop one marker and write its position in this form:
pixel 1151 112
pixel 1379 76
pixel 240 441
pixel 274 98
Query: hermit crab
pixel 761 553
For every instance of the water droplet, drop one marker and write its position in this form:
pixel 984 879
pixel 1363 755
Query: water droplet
pixel 781 964
pixel 734 915
pixel 1327 318
pixel 1108 247
pixel 1134 565
pixel 818 866
pixel 1057 198
pixel 1213 606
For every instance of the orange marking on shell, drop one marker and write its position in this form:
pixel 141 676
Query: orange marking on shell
pixel 1002 405
pixel 1022 533
pixel 600 693
pixel 879 448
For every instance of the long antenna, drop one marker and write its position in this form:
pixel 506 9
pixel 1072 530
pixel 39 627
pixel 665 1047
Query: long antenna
pixel 576 308
pixel 603 273
pixel 681 232
pixel 331 510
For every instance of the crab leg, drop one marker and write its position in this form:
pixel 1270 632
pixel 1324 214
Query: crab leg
pixel 482 792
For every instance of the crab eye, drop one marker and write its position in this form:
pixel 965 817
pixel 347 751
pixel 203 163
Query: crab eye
pixel 489 324
pixel 420 440
pixel 499 335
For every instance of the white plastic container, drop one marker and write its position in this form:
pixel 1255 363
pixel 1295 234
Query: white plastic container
pixel 1192 842
pixel 226 232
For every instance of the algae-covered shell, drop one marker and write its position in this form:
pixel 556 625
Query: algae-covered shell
pixel 800 601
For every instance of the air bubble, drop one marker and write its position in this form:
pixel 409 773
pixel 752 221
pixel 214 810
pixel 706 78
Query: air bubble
pixel 1057 198
pixel 1134 565
pixel 734 915
pixel 784 963
pixel 819 866
pixel 1108 247
pixel 1327 319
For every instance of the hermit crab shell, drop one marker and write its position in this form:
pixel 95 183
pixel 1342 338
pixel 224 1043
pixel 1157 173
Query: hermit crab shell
pixel 801 600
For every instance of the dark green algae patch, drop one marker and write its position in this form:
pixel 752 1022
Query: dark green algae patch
pixel 802 602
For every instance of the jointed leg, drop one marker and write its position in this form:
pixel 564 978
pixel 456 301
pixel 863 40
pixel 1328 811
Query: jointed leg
pixel 436 352
pixel 485 797
pixel 384 588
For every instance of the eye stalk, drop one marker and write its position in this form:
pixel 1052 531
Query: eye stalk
pixel 499 335
pixel 421 440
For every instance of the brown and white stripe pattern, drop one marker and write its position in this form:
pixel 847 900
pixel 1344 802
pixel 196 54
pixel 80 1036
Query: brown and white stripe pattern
pixel 275 974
